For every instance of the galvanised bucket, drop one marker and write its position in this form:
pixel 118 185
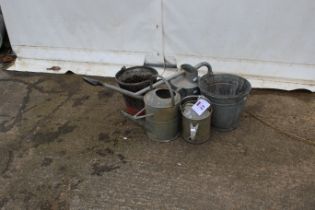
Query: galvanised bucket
pixel 228 94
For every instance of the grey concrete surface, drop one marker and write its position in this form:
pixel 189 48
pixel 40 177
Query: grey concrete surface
pixel 65 145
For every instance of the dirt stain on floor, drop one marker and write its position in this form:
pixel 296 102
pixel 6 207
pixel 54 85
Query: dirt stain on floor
pixel 99 169
pixel 79 101
pixel 47 161
pixel 104 137
pixel 104 152
pixel 48 137
pixel 105 94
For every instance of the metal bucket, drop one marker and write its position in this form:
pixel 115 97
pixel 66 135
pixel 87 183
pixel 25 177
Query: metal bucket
pixel 228 94
pixel 135 79
pixel 195 128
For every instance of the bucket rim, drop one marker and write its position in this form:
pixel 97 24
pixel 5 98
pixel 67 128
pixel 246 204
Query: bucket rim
pixel 242 95
pixel 122 70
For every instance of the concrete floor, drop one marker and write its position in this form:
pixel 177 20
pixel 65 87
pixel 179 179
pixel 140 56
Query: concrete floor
pixel 65 145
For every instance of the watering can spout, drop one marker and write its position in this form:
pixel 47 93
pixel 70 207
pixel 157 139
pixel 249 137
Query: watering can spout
pixel 140 120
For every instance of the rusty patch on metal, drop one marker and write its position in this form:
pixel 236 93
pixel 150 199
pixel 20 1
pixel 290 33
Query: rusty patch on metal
pixel 7 58
pixel 54 68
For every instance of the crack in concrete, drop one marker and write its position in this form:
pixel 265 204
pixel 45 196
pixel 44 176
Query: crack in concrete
pixel 3 126
pixel 45 118
pixel 30 86
pixel 8 162
pixel 25 100
pixel 3 202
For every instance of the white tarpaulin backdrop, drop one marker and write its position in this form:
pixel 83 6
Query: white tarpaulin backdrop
pixel 270 42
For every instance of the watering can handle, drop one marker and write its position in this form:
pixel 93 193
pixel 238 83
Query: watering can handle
pixel 205 64
pixel 169 88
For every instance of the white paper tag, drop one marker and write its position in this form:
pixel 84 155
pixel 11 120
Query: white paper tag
pixel 200 106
